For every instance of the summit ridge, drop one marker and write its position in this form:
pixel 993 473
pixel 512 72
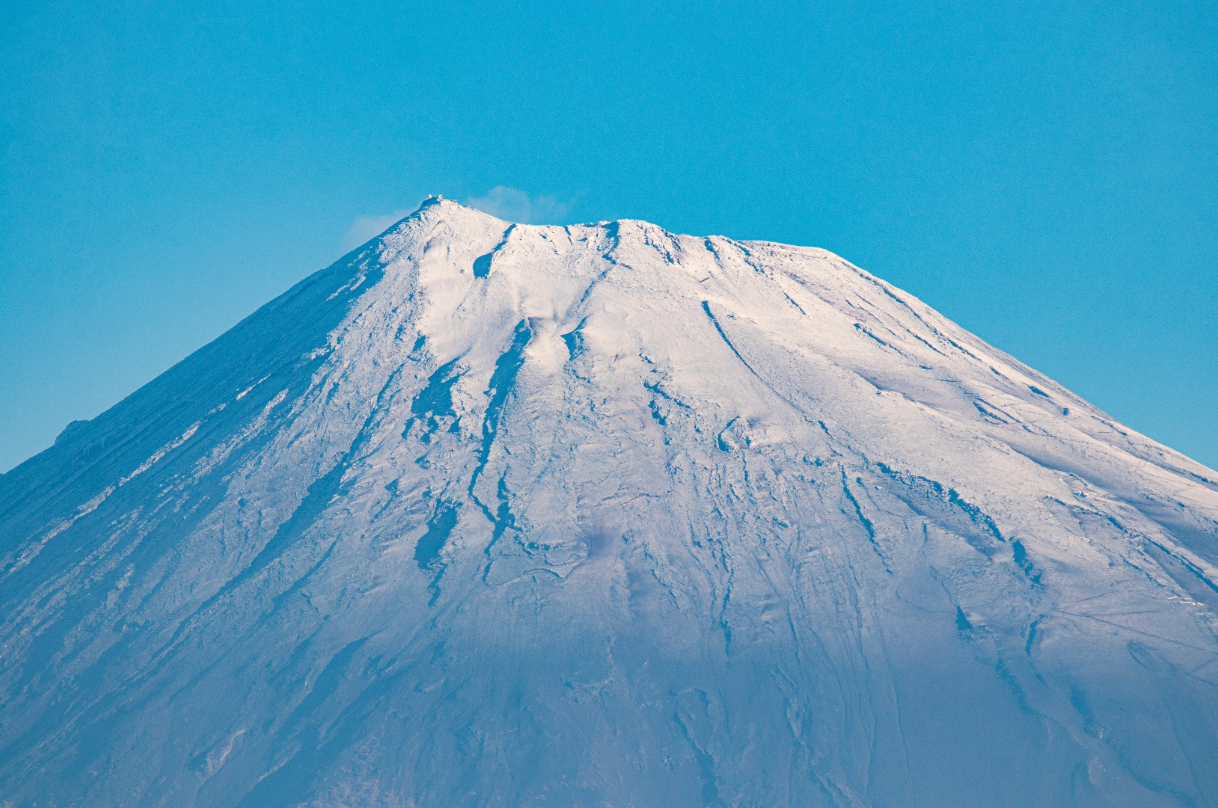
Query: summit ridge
pixel 499 514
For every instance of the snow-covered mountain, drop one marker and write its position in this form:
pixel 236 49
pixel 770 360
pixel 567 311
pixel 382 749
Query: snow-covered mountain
pixel 489 514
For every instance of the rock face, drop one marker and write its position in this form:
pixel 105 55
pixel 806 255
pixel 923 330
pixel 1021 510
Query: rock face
pixel 487 514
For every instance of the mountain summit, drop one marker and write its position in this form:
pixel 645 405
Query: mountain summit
pixel 489 514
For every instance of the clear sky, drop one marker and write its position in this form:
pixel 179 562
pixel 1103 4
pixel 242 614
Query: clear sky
pixel 1045 174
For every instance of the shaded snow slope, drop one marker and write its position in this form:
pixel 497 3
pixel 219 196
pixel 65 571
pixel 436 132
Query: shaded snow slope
pixel 491 514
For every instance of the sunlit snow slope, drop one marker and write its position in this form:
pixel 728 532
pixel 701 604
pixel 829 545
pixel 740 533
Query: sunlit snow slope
pixel 488 514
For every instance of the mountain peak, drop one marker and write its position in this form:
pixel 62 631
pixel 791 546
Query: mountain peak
pixel 490 513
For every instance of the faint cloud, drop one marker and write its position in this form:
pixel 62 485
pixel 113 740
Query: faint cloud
pixel 368 227
pixel 514 205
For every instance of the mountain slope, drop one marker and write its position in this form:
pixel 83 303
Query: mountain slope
pixel 489 514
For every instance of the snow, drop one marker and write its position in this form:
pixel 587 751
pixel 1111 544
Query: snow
pixel 494 514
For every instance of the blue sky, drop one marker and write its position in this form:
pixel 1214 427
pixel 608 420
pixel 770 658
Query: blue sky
pixel 1046 174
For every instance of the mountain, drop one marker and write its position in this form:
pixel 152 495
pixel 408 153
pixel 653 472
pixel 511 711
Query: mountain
pixel 492 515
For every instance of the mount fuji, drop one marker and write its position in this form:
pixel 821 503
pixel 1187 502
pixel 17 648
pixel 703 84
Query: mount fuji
pixel 489 514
